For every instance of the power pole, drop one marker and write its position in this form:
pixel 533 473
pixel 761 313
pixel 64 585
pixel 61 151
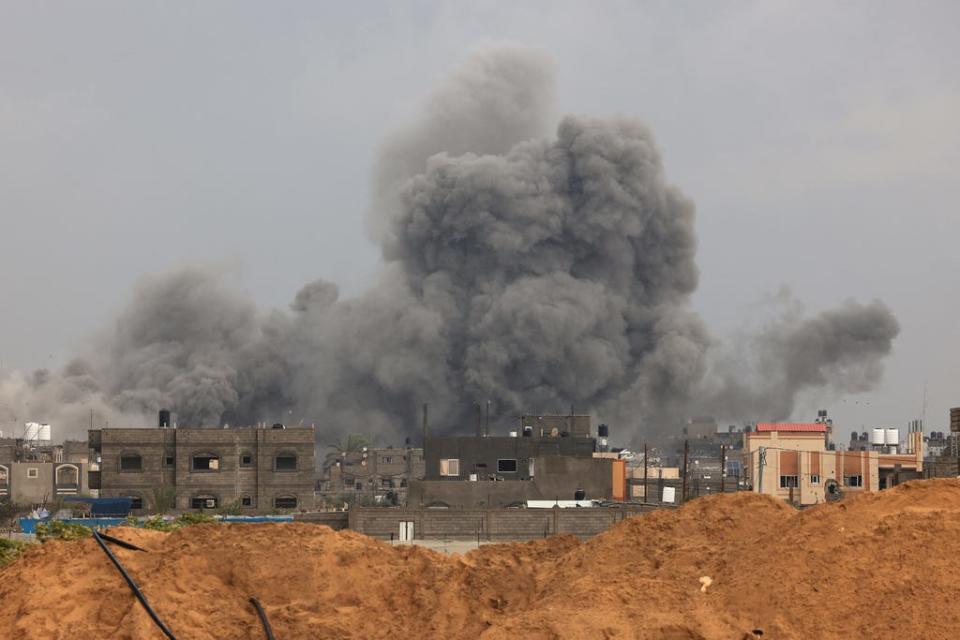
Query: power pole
pixel 683 488
pixel 645 465
pixel 723 468
pixel 761 463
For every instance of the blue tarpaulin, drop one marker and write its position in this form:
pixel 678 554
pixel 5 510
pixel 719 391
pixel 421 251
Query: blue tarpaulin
pixel 103 507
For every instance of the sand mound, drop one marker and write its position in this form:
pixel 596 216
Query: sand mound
pixel 880 566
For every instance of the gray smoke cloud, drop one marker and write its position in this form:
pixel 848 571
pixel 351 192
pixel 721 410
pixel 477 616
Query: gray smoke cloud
pixel 530 269
pixel 840 349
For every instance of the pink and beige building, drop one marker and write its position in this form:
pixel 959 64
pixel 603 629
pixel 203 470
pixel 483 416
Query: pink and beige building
pixel 794 461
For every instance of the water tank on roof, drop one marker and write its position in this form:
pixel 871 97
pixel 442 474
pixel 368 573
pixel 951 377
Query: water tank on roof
pixel 892 437
pixel 45 433
pixel 864 436
pixel 877 437
pixel 603 431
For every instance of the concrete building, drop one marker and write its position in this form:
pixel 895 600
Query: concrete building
pixel 375 472
pixel 37 472
pixel 547 458
pixel 258 469
pixel 794 461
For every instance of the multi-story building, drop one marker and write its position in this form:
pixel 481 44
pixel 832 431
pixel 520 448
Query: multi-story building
pixel 795 462
pixel 547 458
pixel 375 472
pixel 36 474
pixel 256 469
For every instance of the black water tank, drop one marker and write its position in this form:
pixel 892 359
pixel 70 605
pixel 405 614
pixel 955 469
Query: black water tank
pixel 579 494
pixel 603 431
pixel 163 418
pixel 528 431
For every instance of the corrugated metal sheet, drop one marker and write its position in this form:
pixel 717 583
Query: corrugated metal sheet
pixel 792 426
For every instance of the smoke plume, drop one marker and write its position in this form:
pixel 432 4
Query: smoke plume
pixel 532 269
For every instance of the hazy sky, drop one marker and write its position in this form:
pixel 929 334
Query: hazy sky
pixel 819 141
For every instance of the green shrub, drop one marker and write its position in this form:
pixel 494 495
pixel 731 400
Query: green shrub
pixel 60 530
pixel 9 550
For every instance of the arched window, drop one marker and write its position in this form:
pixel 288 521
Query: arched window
pixel 68 474
pixel 131 462
pixel 285 502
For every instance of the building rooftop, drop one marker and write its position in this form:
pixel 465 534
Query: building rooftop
pixel 792 426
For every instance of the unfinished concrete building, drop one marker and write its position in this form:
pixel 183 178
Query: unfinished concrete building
pixel 548 457
pixel 381 474
pixel 255 469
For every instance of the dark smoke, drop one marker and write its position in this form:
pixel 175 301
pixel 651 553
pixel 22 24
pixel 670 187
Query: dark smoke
pixel 532 270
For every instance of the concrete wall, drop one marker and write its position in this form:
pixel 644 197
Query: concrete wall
pixel 489 524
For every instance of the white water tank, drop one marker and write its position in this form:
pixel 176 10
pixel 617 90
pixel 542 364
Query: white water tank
pixel 513 434
pixel 45 433
pixel 892 437
pixel 877 436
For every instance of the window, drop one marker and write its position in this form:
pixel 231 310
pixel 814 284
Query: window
pixel 131 462
pixel 67 475
pixel 450 467
pixel 403 482
pixel 853 481
pixel 203 502
pixel 358 486
pixel 386 483
pixel 506 466
pixel 168 461
pixel 285 502
pixel 4 477
pixel 246 501
pixel 206 462
pixel 136 502
pixel 814 478
pixel 386 460
pixel 286 462
pixel 33 472
pixel 787 482
pixel 246 460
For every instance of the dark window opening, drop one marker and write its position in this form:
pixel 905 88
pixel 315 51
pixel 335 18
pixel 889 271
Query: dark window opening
pixel 853 481
pixel 131 463
pixel 506 466
pixel 203 502
pixel 358 486
pixel 206 462
pixel 168 461
pixel 787 482
pixel 403 482
pixel 285 502
pixel 387 483
pixel 136 502
pixel 286 463
pixel 246 460
pixel 246 501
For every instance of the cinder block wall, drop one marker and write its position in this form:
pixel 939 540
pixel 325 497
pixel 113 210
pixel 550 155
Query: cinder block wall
pixel 490 524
